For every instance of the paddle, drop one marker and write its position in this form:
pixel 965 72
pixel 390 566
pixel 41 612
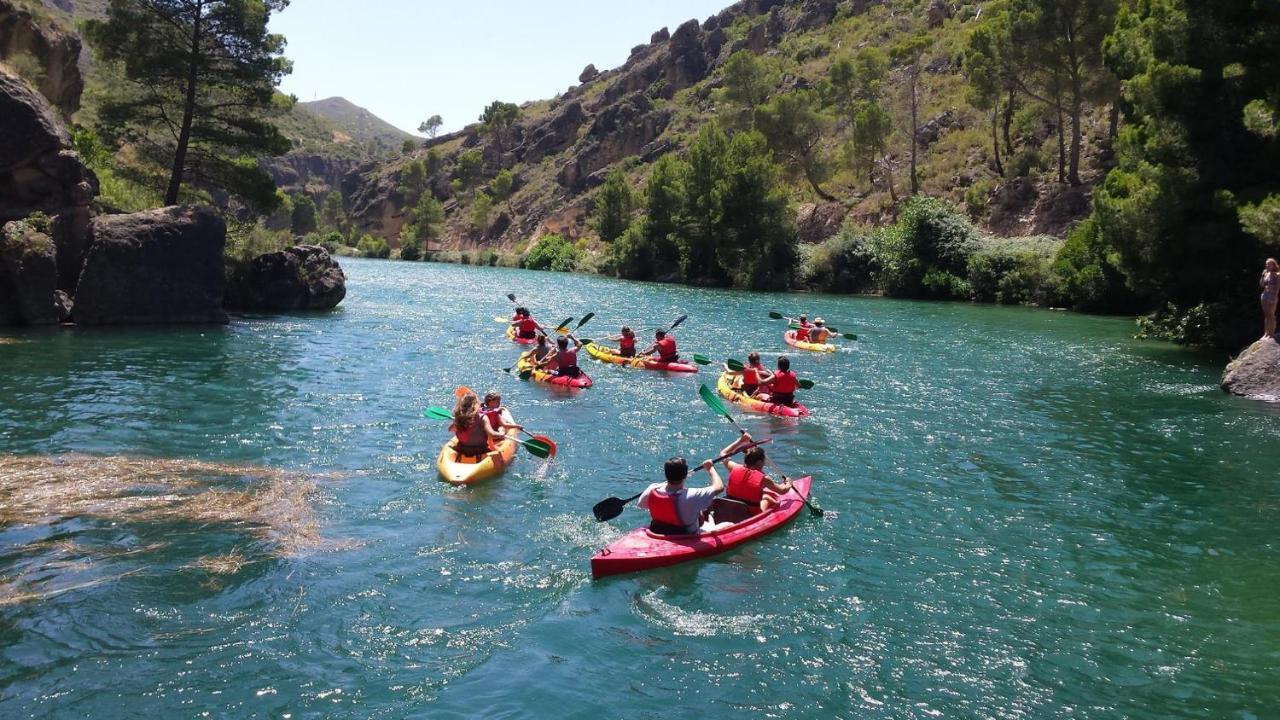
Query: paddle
pixel 779 316
pixel 462 390
pixel 536 447
pixel 717 405
pixel 610 508
pixel 737 366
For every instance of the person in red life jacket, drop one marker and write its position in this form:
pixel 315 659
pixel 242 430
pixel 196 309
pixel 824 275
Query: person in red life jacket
pixel 802 332
pixel 664 346
pixel 563 359
pixel 753 375
pixel 472 428
pixel 526 327
pixel 819 333
pixel 782 386
pixel 498 416
pixel 675 509
pixel 626 342
pixel 747 481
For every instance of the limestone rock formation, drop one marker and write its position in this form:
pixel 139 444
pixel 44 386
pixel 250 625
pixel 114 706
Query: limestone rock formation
pixel 28 277
pixel 158 266
pixel 817 222
pixel 57 53
pixel 1256 372
pixel 303 277
pixel 588 74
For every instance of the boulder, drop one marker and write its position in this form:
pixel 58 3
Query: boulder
pixel 686 64
pixel 157 266
pixel 1256 372
pixel 38 171
pixel 57 53
pixel 939 11
pixel 304 277
pixel 659 37
pixel 588 74
pixel 28 276
pixel 817 222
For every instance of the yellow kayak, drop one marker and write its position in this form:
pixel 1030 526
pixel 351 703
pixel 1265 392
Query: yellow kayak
pixel 526 363
pixel 464 471
pixel 609 355
pixel 727 386
pixel 790 337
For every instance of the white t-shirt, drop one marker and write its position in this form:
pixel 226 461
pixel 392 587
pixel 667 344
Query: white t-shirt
pixel 690 502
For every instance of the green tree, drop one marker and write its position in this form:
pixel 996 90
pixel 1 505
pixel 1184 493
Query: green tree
pixel 497 117
pixel 332 211
pixel 200 89
pixel 426 218
pixel 910 55
pixel 481 210
pixel 664 214
pixel 758 250
pixel 303 220
pixel 856 79
pixel 701 212
pixel 431 126
pixel 794 125
pixel 469 169
pixel 415 178
pixel 500 187
pixel 992 74
pixel 552 252
pixel 869 147
pixel 613 206
pixel 748 81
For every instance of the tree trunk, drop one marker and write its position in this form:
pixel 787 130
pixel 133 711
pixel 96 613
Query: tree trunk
pixel 188 111
pixel 888 175
pixel 808 175
pixel 995 137
pixel 1008 124
pixel 1073 175
pixel 915 79
pixel 1113 121
pixel 1062 147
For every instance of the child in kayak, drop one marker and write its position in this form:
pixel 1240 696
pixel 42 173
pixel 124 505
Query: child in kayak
pixel 472 429
pixel 819 333
pixel 564 359
pixel 541 350
pixel 526 327
pixel 497 415
pixel 753 375
pixel 664 346
pixel 782 386
pixel 626 342
pixel 675 509
pixel 747 481
pixel 802 332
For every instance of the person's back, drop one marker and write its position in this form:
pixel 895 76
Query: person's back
pixel 783 385
pixel 675 509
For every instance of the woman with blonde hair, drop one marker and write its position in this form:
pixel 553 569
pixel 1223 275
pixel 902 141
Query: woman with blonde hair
pixel 472 428
pixel 1270 283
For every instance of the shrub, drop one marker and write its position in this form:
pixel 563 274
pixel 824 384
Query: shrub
pixel 977 197
pixel 1194 326
pixel 925 254
pixel 552 252
pixel 373 247
pixel 1088 268
pixel 843 263
pixel 1016 271
pixel 332 240
pixel 411 252
pixel 246 241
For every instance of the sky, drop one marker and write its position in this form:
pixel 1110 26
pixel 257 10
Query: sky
pixel 405 60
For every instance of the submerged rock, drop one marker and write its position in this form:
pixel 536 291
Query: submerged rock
pixel 1256 372
pixel 304 277
pixel 158 266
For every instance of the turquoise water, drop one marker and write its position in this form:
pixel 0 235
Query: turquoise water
pixel 1028 515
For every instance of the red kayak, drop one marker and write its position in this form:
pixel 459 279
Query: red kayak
pixel 642 549
pixel 511 335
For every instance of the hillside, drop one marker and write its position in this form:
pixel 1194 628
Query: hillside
pixel 357 124
pixel 561 149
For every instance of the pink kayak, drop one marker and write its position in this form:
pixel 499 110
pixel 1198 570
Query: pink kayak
pixel 642 549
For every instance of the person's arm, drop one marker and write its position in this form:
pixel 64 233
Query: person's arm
pixel 643 502
pixel 743 439
pixel 488 428
pixel 782 489
pixel 652 349
pixel 508 420
pixel 717 485
pixel 546 359
pixel 766 376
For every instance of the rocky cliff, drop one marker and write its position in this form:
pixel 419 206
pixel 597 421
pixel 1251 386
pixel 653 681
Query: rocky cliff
pixel 37 46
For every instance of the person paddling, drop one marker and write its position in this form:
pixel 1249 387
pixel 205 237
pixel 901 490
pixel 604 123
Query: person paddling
pixel 564 358
pixel 819 333
pixel 802 329
pixel 626 342
pixel 541 350
pixel 782 386
pixel 675 509
pixel 753 374
pixel 526 327
pixel 747 481
pixel 664 346
pixel 498 416
pixel 472 428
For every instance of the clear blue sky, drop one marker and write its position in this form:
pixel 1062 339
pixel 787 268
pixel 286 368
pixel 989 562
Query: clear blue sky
pixel 406 60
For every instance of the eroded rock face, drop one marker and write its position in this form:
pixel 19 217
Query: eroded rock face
pixel 304 277
pixel 817 222
pixel 1256 372
pixel 38 171
pixel 57 52
pixel 28 277
pixel 158 266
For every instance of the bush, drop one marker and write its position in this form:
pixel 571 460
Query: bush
pixel 373 247
pixel 1194 326
pixel 332 240
pixel 1089 272
pixel 411 252
pixel 925 254
pixel 246 241
pixel 1015 271
pixel 977 197
pixel 552 252
pixel 842 263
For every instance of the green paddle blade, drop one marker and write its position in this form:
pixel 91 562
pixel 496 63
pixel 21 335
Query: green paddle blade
pixel 676 324
pixel 735 365
pixel 438 413
pixel 511 297
pixel 713 401
pixel 775 315
pixel 584 320
pixel 526 374
pixel 702 359
pixel 806 384
pixel 536 448
pixel 849 336
pixel 586 341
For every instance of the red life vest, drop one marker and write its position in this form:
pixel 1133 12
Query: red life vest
pixel 662 508
pixel 567 358
pixel 667 349
pixel 495 417
pixel 751 375
pixel 785 382
pixel 746 484
pixel 528 327
pixel 627 343
pixel 802 332
pixel 473 437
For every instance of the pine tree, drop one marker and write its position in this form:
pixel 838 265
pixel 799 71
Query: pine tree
pixel 613 206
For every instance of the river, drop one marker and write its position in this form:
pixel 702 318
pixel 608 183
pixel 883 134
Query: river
pixel 1028 514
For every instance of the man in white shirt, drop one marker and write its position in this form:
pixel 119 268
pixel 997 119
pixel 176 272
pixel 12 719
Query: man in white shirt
pixel 675 509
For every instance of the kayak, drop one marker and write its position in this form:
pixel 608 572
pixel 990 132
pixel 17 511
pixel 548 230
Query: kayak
pixel 790 337
pixel 642 549
pixel 728 392
pixel 526 363
pixel 511 335
pixel 609 355
pixel 464 471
